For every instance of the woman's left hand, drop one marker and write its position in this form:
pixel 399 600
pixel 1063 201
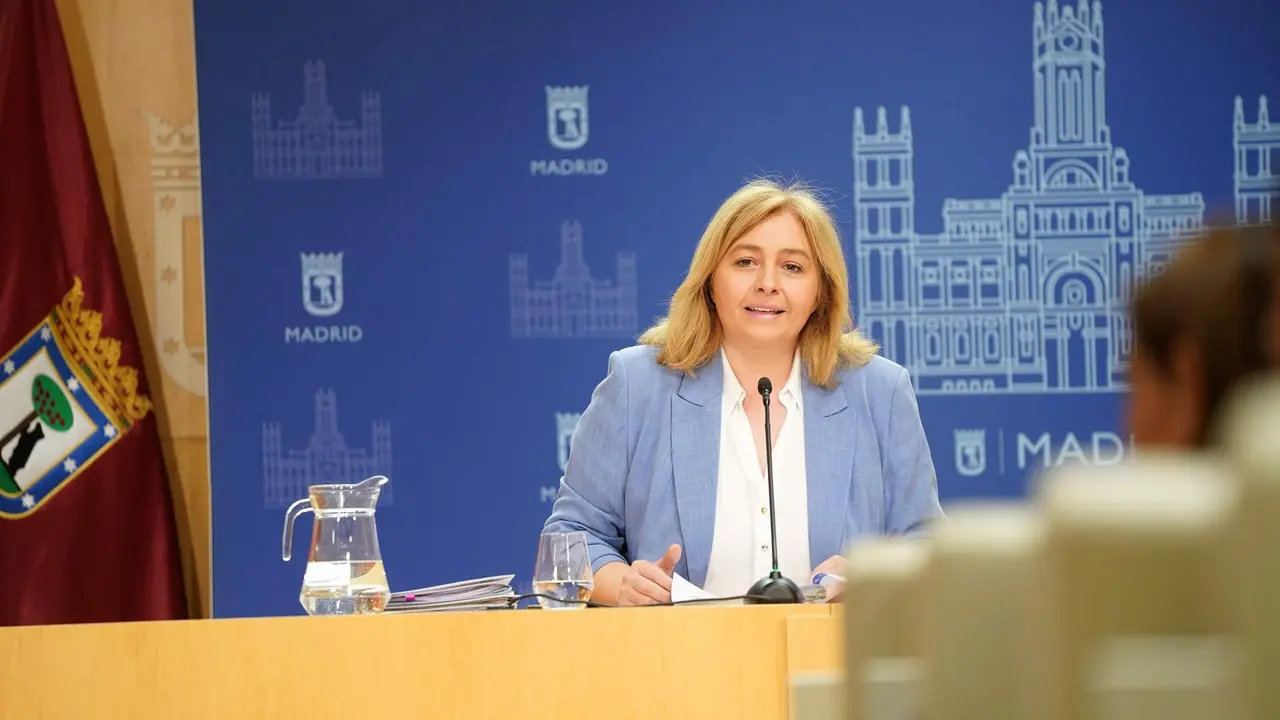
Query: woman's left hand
pixel 834 565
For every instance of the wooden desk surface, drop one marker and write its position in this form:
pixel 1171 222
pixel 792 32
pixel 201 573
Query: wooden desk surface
pixel 695 662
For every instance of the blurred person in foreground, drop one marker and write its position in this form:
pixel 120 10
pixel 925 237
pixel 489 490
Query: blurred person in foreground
pixel 1273 328
pixel 1209 322
pixel 666 471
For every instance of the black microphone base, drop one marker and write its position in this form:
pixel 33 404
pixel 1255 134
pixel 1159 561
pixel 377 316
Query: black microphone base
pixel 775 590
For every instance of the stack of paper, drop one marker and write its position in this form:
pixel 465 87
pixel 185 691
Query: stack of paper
pixel 489 593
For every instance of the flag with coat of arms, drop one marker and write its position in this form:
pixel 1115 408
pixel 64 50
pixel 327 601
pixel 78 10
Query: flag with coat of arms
pixel 87 528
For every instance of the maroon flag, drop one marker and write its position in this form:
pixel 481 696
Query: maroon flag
pixel 87 531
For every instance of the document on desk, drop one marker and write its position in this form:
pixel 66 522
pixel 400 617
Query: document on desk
pixel 683 591
pixel 478 594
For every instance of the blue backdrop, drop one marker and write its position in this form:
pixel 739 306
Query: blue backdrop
pixel 426 226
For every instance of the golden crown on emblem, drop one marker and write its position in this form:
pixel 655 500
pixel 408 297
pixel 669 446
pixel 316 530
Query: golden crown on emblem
pixel 115 386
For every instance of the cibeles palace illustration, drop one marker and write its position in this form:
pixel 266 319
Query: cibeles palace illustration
pixel 573 304
pixel 1029 292
pixel 317 143
pixel 327 458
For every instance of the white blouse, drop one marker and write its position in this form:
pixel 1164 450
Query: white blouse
pixel 741 552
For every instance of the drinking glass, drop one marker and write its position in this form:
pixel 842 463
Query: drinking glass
pixel 563 572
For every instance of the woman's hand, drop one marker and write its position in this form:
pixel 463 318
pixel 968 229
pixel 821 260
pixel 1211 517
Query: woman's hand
pixel 646 583
pixel 834 565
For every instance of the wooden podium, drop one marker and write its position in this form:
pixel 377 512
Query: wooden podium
pixel 660 662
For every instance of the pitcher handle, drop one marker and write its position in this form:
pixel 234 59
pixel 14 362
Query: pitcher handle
pixel 296 509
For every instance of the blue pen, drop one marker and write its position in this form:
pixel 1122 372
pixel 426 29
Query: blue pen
pixel 825 579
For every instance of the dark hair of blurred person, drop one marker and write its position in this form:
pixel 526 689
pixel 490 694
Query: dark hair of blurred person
pixel 1199 328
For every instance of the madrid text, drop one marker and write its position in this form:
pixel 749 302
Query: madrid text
pixel 1098 448
pixel 320 334
pixel 568 166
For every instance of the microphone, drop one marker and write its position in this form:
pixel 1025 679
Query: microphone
pixel 774 589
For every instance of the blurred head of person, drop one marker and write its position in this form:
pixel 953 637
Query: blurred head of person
pixel 1200 328
pixel 768 277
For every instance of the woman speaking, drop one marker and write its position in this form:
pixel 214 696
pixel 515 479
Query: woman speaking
pixel 666 471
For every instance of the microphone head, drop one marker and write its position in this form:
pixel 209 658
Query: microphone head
pixel 764 386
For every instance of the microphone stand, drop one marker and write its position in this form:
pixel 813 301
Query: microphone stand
pixel 774 589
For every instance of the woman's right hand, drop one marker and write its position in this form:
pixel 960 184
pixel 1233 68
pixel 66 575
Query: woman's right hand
pixel 646 583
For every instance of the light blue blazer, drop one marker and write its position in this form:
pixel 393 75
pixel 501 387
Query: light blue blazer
pixel 643 462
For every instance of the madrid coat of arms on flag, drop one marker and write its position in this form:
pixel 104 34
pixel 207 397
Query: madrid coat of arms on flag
pixel 64 401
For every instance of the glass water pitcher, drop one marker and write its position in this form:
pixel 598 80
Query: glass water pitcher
pixel 344 574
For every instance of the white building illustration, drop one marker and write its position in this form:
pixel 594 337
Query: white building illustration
pixel 1257 152
pixel 1027 292
pixel 317 144
pixel 326 459
pixel 573 304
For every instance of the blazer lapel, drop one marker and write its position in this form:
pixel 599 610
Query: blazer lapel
pixel 829 451
pixel 695 463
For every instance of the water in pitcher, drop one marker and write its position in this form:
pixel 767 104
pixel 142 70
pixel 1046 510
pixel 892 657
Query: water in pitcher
pixel 344 587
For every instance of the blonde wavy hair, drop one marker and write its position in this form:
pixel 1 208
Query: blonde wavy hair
pixel 690 334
